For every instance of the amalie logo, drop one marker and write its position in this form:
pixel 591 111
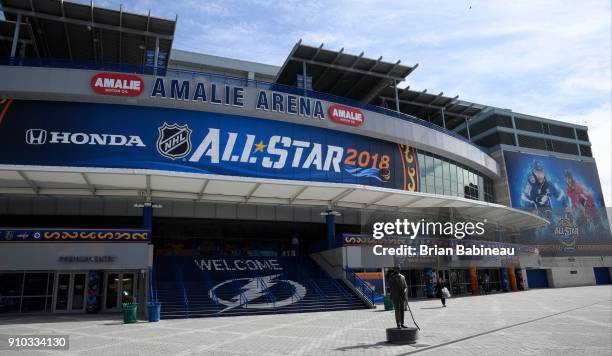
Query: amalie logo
pixel 117 84
pixel 345 115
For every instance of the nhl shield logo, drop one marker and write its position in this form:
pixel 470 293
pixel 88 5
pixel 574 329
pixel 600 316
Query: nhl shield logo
pixel 174 140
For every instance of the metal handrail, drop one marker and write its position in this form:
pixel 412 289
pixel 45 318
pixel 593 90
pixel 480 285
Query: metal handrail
pixel 242 298
pixel 163 71
pixel 314 284
pixel 263 284
pixel 360 284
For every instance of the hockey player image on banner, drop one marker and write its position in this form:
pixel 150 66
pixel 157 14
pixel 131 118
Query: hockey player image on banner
pixel 582 205
pixel 539 192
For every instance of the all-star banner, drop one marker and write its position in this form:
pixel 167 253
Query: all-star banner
pixel 567 193
pixel 117 136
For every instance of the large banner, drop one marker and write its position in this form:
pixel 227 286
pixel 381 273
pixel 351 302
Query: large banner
pixel 117 136
pixel 568 194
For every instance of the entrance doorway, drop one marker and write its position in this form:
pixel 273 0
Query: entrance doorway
pixel 70 292
pixel 119 287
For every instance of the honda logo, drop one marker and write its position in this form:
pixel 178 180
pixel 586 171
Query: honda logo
pixel 36 136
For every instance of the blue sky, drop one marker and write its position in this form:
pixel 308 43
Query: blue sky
pixel 544 58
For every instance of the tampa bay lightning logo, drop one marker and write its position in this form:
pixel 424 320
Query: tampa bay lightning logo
pixel 265 292
pixel 174 141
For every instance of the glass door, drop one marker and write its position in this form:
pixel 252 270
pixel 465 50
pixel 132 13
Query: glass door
pixel 70 292
pixel 120 287
pixel 111 292
pixel 78 292
pixel 62 293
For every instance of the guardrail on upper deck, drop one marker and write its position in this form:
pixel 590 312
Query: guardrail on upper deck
pixel 181 73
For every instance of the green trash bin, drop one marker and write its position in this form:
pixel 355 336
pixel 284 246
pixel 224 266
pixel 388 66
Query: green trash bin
pixel 129 312
pixel 388 302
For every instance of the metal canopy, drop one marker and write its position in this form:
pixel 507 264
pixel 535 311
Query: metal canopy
pixel 101 182
pixel 66 30
pixel 335 72
pixel 442 110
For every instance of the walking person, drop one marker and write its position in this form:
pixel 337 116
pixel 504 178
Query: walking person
pixel 441 291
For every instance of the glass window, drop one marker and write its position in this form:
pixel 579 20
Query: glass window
pixel 438 167
pixel 429 164
pixel 446 170
pixel 33 304
pixel 422 170
pixel 11 284
pixel 35 284
pixel 438 176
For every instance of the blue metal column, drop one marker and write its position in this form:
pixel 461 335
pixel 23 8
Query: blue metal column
pixel 429 285
pixel 504 279
pixel 147 217
pixel 330 220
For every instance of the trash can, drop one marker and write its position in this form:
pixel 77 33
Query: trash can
pixel 154 311
pixel 129 312
pixel 388 302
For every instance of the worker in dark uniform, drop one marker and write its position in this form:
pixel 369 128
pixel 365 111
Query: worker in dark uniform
pixel 398 289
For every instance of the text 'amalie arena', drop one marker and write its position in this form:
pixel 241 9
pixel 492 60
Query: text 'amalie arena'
pixel 217 186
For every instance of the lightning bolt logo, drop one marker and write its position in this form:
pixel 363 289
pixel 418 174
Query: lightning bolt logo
pixel 256 288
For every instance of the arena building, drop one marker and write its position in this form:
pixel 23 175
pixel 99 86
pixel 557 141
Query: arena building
pixel 217 186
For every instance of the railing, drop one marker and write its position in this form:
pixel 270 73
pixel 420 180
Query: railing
pixel 262 286
pixel 360 284
pixel 242 298
pixel 181 73
pixel 152 285
pixel 179 274
pixel 208 285
pixel 313 284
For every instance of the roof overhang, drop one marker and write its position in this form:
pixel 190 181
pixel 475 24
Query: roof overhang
pixel 335 72
pixel 445 111
pixel 68 30
pixel 103 182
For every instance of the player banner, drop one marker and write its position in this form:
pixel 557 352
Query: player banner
pixel 121 136
pixel 568 194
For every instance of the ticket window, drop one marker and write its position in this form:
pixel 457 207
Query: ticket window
pixel 119 287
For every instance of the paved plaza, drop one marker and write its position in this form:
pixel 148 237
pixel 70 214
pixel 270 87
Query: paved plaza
pixel 565 321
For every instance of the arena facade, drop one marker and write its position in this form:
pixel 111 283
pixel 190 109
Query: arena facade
pixel 217 186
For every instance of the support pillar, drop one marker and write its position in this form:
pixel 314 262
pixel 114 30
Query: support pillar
pixel 443 118
pixel 156 55
pixel 505 282
pixel 16 37
pixel 397 104
pixel 429 286
pixel 521 279
pixel 512 278
pixel 330 220
pixel 473 280
pixel 147 217
pixel 304 77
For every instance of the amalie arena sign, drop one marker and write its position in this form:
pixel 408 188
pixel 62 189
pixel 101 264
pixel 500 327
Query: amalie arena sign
pixel 231 95
pixel 117 136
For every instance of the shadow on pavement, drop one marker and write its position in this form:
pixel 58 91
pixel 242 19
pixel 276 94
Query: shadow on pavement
pixel 378 345
pixel 22 319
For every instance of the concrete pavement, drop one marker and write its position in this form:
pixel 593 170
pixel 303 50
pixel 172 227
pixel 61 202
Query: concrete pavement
pixel 565 321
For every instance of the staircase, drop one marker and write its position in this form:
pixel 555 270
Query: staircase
pixel 226 286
